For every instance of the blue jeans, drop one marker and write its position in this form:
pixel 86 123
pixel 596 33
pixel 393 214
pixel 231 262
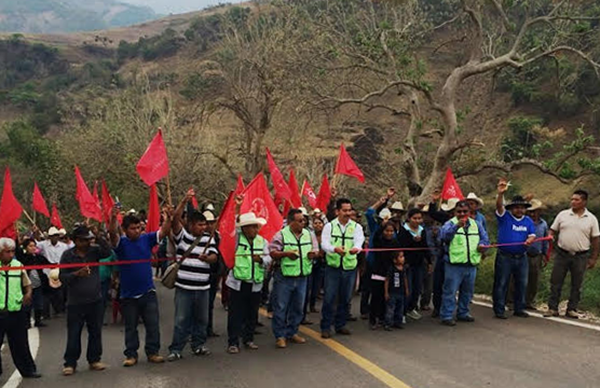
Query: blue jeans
pixel 457 278
pixel 506 265
pixel 394 312
pixel 145 307
pixel 415 275
pixel 338 287
pixel 191 319
pixel 289 304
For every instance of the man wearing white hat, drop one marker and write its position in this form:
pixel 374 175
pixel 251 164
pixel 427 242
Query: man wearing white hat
pixel 476 203
pixel 245 282
pixel 52 249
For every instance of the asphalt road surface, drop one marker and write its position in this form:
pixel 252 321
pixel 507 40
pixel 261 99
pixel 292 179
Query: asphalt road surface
pixel 488 353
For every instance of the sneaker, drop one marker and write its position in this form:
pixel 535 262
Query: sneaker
pixel 572 314
pixel 174 357
pixel 97 366
pixel 281 343
pixel 297 339
pixel 68 371
pixel 233 349
pixel 466 318
pixel 414 314
pixel 521 314
pixel 449 322
pixel 344 331
pixel 156 359
pixel 325 334
pixel 130 361
pixel 550 313
pixel 251 345
pixel 202 351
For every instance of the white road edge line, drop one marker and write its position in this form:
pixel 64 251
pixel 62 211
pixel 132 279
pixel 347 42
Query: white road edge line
pixel 34 344
pixel 554 319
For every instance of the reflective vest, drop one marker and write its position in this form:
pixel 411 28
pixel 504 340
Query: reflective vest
pixel 463 247
pixel 11 288
pixel 303 265
pixel 245 268
pixel 342 239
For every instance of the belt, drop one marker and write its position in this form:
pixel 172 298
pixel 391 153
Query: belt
pixel 513 255
pixel 574 253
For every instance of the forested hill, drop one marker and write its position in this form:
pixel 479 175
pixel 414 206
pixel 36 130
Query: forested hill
pixel 48 16
pixel 410 87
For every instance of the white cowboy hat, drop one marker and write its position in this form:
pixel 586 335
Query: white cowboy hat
pixel 131 212
pixel 535 205
pixel 250 219
pixel 385 214
pixel 474 197
pixel 304 211
pixel 397 206
pixel 210 207
pixel 53 278
pixel 53 231
pixel 450 205
pixel 210 217
pixel 62 232
pixel 317 211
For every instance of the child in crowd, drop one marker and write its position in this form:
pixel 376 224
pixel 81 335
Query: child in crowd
pixel 396 290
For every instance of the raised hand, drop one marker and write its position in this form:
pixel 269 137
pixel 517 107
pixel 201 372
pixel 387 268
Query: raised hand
pixel 391 192
pixel 502 186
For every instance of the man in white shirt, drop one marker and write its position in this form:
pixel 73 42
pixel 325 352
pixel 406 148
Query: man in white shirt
pixel 53 249
pixel 342 240
pixel 577 250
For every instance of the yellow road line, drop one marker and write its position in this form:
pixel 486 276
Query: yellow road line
pixel 366 365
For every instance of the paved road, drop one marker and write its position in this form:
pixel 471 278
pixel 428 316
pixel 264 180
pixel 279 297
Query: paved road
pixel 488 353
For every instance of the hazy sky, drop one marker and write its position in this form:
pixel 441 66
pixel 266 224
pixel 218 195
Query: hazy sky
pixel 178 6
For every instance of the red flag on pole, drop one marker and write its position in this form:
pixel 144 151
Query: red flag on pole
pixel 257 199
pixel 107 203
pixel 227 231
pixel 309 193
pixel 281 187
pixel 346 166
pixel 153 223
pixel 10 209
pixel 451 188
pixel 39 203
pixel 293 185
pixel 239 189
pixel 55 217
pixel 324 194
pixel 194 201
pixel 154 164
pixel 88 206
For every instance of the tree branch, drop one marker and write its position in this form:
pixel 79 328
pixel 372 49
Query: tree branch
pixel 509 167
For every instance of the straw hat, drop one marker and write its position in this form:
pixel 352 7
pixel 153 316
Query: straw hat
pixel 535 205
pixel 304 211
pixel 450 205
pixel 210 217
pixel 53 278
pixel 474 197
pixel 53 231
pixel 385 214
pixel 397 206
pixel 62 232
pixel 250 219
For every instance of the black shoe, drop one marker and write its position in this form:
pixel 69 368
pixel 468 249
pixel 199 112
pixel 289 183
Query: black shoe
pixel 435 313
pixel 343 331
pixel 521 314
pixel 501 316
pixel 466 318
pixel 398 326
pixel 34 375
pixel 325 334
pixel 449 322
pixel 260 324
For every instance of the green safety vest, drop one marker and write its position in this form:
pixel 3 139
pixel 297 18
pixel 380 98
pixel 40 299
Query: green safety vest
pixel 463 247
pixel 11 288
pixel 342 239
pixel 303 265
pixel 245 269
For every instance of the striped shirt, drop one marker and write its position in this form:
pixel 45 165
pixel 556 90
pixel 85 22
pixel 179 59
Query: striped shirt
pixel 194 274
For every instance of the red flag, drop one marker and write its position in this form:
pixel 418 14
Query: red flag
pixel 107 203
pixel 324 194
pixel 293 185
pixel 239 189
pixel 257 199
pixel 154 164
pixel 309 193
pixel 88 206
pixel 39 203
pixel 153 223
pixel 10 209
pixel 451 188
pixel 346 166
pixel 281 187
pixel 227 231
pixel 194 201
pixel 55 217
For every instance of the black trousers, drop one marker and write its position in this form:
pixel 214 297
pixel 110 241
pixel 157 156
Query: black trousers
pixel 242 314
pixel 378 305
pixel 14 325
pixel 91 315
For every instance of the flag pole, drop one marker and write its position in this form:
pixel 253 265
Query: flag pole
pixel 28 217
pixel 168 182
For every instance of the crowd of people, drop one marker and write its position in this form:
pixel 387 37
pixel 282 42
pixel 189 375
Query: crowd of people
pixel 414 260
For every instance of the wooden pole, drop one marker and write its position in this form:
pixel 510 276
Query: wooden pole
pixel 28 217
pixel 168 182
